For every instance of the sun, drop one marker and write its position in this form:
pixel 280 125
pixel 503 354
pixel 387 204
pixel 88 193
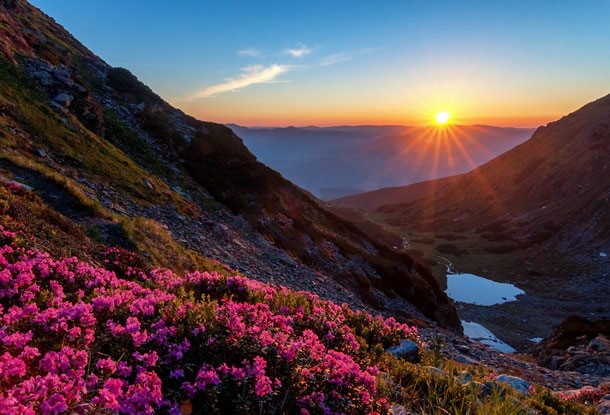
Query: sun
pixel 442 117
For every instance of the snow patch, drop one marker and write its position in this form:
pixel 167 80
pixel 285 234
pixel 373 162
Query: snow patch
pixel 481 334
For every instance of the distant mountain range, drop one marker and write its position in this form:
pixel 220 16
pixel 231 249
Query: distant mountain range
pixel 332 162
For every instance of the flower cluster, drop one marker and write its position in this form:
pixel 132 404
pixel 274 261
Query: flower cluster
pixel 78 338
pixel 588 394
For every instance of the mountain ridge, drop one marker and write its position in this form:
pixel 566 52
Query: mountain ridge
pixel 106 137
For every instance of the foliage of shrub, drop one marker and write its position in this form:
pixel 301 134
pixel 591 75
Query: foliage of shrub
pixel 80 338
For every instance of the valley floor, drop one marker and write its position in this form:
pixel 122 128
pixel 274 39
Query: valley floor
pixel 556 285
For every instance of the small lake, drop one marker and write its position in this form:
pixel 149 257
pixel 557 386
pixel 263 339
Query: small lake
pixel 479 333
pixel 472 289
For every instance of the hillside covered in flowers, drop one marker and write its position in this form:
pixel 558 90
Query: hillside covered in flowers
pixel 114 336
pixel 80 337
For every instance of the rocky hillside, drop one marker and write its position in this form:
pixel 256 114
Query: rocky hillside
pixel 117 160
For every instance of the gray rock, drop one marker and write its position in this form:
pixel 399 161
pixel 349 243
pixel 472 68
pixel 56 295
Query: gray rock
pixel 43 77
pixel 464 377
pixel 600 344
pixel 604 405
pixel 406 349
pixel 435 370
pixel 519 384
pixel 489 388
pixel 63 99
pixel 148 183
pixel 63 76
pixel 465 360
pixel 398 410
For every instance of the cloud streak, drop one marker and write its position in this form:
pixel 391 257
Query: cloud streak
pixel 251 75
pixel 298 52
pixel 249 52
pixel 259 74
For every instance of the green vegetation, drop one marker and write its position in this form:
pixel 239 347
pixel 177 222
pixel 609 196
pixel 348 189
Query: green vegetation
pixel 428 390
pixel 99 159
pixel 158 246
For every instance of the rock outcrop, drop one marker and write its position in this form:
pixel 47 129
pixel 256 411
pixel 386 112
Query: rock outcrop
pixel 577 344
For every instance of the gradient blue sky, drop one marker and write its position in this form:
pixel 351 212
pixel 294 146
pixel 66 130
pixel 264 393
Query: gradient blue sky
pixel 355 62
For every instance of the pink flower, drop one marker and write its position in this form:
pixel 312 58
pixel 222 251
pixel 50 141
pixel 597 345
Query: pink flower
pixel 106 365
pixel 55 404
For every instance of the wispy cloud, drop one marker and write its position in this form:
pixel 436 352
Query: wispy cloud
pixel 259 74
pixel 298 52
pixel 251 75
pixel 249 52
pixel 336 58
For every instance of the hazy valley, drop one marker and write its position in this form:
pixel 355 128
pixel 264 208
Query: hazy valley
pixel 332 162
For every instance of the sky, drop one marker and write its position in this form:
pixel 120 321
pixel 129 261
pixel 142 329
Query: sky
pixel 278 63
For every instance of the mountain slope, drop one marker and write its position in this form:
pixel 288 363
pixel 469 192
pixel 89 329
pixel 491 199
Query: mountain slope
pixel 143 175
pixel 554 188
pixel 537 217
pixel 335 161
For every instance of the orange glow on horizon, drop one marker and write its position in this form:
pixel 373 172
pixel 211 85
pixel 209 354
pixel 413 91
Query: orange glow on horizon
pixel 273 115
pixel 329 120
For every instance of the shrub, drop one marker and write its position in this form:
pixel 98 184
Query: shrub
pixel 74 337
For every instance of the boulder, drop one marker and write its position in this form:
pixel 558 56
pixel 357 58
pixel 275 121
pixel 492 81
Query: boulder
pixel 406 349
pixel 63 99
pixel 489 388
pixel 464 377
pixel 149 183
pixel 465 360
pixel 519 384
pixel 599 344
pixel 63 76
pixel 398 410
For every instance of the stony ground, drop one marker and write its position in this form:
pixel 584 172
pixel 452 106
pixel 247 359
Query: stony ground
pixel 466 351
